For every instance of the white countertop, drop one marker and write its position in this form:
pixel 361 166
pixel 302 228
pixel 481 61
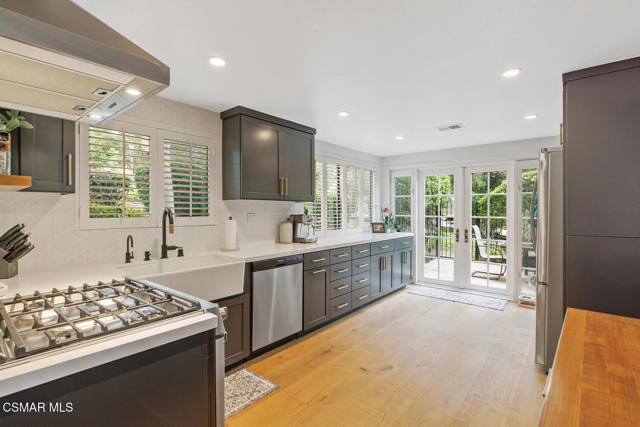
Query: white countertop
pixel 61 362
pixel 265 250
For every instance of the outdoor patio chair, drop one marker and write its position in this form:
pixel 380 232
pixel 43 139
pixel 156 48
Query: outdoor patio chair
pixel 491 252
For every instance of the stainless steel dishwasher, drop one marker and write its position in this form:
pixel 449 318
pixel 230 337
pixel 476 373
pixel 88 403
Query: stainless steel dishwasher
pixel 277 300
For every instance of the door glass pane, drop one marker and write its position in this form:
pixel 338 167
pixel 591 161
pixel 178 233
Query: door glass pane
pixel 402 201
pixel 488 208
pixel 528 221
pixel 439 223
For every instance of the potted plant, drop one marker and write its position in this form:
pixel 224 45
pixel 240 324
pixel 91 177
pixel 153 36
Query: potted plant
pixel 390 222
pixel 12 120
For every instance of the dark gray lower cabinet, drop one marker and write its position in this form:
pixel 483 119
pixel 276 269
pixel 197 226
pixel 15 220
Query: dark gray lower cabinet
pixel 407 267
pixel 47 154
pixel 381 266
pixel 238 324
pixel 315 307
pixel 396 269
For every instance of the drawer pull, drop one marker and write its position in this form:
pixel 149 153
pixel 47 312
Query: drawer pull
pixel 405 243
pixel 342 305
pixel 383 247
pixel 318 259
pixel 363 297
pixel 362 280
pixel 322 270
pixel 344 270
pixel 363 251
pixel 362 265
pixel 339 288
pixel 342 255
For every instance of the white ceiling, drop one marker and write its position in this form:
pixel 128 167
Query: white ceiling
pixel 399 67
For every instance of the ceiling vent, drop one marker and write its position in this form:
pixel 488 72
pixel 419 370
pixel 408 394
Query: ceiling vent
pixel 453 126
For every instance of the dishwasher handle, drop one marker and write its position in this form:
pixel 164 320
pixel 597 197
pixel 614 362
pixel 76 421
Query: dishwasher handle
pixel 277 262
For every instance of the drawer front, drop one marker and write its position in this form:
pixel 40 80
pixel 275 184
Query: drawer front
pixel 405 243
pixel 360 251
pixel 340 305
pixel 361 279
pixel 340 255
pixel 361 296
pixel 382 247
pixel 360 265
pixel 340 271
pixel 339 287
pixel 316 259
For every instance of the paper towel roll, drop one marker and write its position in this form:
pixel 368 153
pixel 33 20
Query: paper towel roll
pixel 286 232
pixel 230 234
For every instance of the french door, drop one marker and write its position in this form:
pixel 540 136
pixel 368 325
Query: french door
pixel 465 228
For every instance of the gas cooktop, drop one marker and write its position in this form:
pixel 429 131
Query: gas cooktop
pixel 43 321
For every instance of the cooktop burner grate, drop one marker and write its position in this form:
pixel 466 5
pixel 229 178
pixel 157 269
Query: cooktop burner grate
pixel 45 320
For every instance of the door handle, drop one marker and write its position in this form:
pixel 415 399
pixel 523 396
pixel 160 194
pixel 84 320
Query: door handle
pixel 466 235
pixel 69 169
pixel 457 234
pixel 322 270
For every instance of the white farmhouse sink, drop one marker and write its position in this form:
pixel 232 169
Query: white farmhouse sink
pixel 209 277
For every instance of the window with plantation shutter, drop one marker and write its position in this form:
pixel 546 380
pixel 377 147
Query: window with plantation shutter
pixel 119 174
pixel 353 197
pixel 368 197
pixel 334 193
pixel 186 178
pixel 315 208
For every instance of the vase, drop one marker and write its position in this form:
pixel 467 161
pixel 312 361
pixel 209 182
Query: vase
pixel 5 154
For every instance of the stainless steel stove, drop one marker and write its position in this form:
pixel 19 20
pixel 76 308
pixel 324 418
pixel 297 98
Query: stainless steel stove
pixel 43 321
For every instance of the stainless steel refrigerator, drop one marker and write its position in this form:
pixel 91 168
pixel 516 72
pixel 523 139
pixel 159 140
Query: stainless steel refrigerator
pixel 549 256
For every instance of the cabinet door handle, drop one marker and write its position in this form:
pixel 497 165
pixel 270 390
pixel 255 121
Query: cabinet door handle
pixel 318 259
pixel 286 186
pixel 362 265
pixel 342 305
pixel 343 270
pixel 69 169
pixel 342 255
pixel 363 297
pixel 363 251
pixel 322 270
pixel 362 280
pixel 281 186
pixel 383 263
pixel 339 288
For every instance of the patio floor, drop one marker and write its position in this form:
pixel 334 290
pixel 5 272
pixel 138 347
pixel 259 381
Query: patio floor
pixel 480 279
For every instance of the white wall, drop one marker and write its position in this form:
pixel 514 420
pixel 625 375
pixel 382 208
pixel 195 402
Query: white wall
pixel 464 156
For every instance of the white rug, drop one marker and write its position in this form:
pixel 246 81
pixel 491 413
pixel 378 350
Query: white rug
pixel 242 388
pixel 479 300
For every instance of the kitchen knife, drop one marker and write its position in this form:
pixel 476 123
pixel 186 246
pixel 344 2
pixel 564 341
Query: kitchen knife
pixel 11 230
pixel 14 256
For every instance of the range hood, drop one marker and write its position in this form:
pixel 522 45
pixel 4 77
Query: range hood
pixel 59 60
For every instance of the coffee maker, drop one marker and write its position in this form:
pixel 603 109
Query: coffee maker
pixel 303 231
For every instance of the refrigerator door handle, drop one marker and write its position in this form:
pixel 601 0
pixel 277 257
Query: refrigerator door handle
pixel 542 241
pixel 541 324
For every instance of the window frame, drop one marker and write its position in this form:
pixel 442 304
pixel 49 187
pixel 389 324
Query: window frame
pixel 399 173
pixel 159 190
pixel 85 221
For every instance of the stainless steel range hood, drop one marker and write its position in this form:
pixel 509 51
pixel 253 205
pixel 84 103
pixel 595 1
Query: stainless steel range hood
pixel 57 59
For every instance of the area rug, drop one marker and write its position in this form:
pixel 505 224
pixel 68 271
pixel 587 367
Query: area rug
pixel 479 300
pixel 242 388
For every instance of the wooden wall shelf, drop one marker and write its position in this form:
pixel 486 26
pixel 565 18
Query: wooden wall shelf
pixel 14 182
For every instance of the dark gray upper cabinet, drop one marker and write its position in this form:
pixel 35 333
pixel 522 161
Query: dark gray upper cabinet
pixel 602 152
pixel 266 158
pixel 47 154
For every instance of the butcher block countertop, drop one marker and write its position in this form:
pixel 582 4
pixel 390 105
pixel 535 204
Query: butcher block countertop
pixel 595 379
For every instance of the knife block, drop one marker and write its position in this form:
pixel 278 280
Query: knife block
pixel 7 269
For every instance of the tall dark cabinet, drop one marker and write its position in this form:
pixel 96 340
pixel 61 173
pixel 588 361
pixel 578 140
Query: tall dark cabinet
pixel 266 158
pixel 602 177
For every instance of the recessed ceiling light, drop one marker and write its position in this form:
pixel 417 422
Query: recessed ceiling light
pixel 512 72
pixel 531 116
pixel 216 61
pixel 95 116
pixel 399 138
pixel 344 113
pixel 133 92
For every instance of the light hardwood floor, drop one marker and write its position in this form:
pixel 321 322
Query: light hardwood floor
pixel 402 361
